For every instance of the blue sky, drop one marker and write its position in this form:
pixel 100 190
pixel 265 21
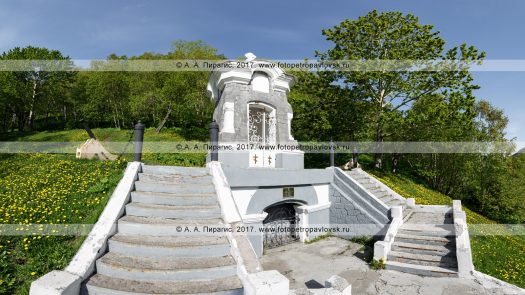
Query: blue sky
pixel 285 29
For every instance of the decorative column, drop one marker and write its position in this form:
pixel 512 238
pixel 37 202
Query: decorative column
pixel 228 122
pixel 290 117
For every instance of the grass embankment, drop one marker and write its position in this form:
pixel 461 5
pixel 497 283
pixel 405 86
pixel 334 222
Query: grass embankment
pixel 59 189
pixel 123 136
pixel 501 256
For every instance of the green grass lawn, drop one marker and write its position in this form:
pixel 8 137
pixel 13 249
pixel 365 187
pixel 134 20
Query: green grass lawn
pixel 501 256
pixel 59 189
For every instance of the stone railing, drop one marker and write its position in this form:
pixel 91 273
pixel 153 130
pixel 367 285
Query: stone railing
pixel 410 201
pixel 463 250
pixel 381 248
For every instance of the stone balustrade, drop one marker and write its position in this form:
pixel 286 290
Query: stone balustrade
pixel 463 250
pixel 381 248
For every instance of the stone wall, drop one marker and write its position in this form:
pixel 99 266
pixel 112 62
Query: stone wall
pixel 241 95
pixel 345 212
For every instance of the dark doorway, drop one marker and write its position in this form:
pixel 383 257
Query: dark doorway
pixel 280 225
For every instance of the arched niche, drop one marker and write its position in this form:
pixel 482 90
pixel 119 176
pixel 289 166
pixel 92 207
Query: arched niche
pixel 260 82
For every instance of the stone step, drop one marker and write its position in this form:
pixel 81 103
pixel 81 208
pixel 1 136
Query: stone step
pixel 445 265
pixel 444 230
pixel 174 178
pixel 355 173
pixel 363 180
pixel 394 202
pixel 381 195
pixel 431 218
pixel 104 285
pixel 425 240
pixel 187 188
pixel 407 213
pixel 437 233
pixel 173 199
pixel 386 198
pixel 166 268
pixel 448 262
pixel 451 252
pixel 378 190
pixel 423 249
pixel 169 211
pixel 162 246
pixel 175 170
pixel 422 270
pixel 370 186
pixel 137 225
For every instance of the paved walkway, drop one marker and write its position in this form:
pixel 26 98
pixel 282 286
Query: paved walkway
pixel 309 265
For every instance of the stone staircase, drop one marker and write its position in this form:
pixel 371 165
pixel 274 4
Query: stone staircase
pixel 375 187
pixel 425 245
pixel 149 255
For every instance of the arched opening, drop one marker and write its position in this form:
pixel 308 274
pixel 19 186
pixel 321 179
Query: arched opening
pixel 280 225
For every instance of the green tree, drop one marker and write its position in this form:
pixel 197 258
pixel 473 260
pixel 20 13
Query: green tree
pixel 36 89
pixel 513 190
pixel 323 110
pixel 396 36
pixel 482 180
pixel 146 97
pixel 107 97
pixel 184 93
pixel 438 118
pixel 492 171
pixel 9 100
